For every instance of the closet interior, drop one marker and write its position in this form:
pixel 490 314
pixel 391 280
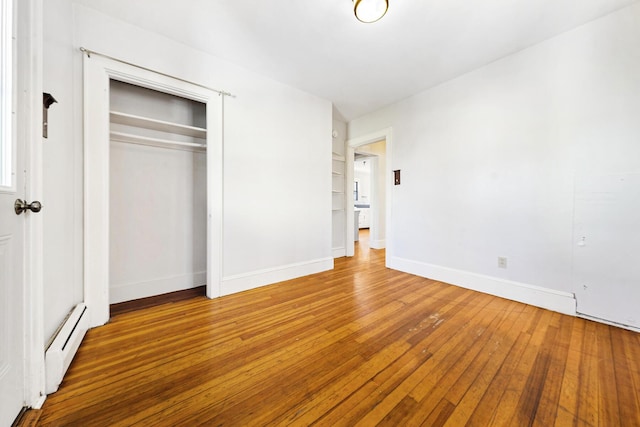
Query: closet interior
pixel 157 194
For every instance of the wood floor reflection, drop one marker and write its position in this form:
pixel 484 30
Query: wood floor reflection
pixel 359 345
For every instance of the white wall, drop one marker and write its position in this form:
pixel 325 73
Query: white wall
pixel 489 160
pixel 277 157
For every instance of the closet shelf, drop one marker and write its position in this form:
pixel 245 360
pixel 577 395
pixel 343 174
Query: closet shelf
pixel 156 142
pixel 154 124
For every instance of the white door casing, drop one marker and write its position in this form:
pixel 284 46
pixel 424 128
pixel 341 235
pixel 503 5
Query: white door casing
pixel 352 144
pixel 98 71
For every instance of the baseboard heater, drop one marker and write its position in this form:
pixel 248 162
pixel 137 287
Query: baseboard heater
pixel 60 353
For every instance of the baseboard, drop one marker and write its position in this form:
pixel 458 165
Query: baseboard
pixel 163 285
pixel 255 279
pixel 37 404
pixel 142 303
pixel 339 252
pixel 609 322
pixel 550 299
pixel 377 244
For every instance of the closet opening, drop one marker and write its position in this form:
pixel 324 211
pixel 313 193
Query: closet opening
pixel 157 197
pixel 153 185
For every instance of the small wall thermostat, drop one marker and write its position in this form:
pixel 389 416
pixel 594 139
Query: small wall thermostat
pixel 396 177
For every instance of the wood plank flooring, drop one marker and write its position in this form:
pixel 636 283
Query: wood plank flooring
pixel 357 346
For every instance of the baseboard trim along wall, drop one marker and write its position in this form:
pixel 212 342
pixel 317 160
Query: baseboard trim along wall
pixel 162 285
pixel 608 322
pixel 255 279
pixel 377 244
pixel 550 299
pixel 339 252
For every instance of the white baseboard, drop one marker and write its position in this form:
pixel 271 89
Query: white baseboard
pixel 377 244
pixel 550 299
pixel 39 402
pixel 609 322
pixel 159 286
pixel 339 252
pixel 255 279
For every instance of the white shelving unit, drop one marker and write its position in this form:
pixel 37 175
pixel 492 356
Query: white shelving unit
pixel 155 124
pixel 168 130
pixel 338 195
pixel 337 181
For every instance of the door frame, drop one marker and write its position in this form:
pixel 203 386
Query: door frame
pixel 385 134
pixel 98 71
pixel 28 126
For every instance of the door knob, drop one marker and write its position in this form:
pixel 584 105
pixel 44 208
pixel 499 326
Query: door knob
pixel 22 205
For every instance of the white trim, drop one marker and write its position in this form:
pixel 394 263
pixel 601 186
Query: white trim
pixel 377 244
pixel 339 252
pixel 268 276
pixel 385 134
pixel 98 71
pixel 608 322
pixel 550 299
pixel 161 285
pixel 156 72
pixel 29 125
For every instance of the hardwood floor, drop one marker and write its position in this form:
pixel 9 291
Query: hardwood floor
pixel 359 345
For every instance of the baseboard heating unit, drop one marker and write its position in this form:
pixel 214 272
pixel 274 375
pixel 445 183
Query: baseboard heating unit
pixel 60 353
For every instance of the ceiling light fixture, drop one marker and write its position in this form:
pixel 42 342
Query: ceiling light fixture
pixel 369 11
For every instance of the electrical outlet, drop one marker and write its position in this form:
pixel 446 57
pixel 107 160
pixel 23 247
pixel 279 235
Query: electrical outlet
pixel 502 262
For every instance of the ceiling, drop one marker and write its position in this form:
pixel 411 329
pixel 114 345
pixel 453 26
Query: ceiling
pixel 318 46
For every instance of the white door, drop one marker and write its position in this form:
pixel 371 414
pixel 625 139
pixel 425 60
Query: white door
pixel 607 252
pixel 12 227
pixel 11 305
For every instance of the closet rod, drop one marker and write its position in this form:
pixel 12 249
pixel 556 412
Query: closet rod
pixel 92 52
pixel 155 142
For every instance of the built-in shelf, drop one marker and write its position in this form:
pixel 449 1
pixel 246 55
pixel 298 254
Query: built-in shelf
pixel 337 200
pixel 338 157
pixel 337 173
pixel 156 142
pixel 159 125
